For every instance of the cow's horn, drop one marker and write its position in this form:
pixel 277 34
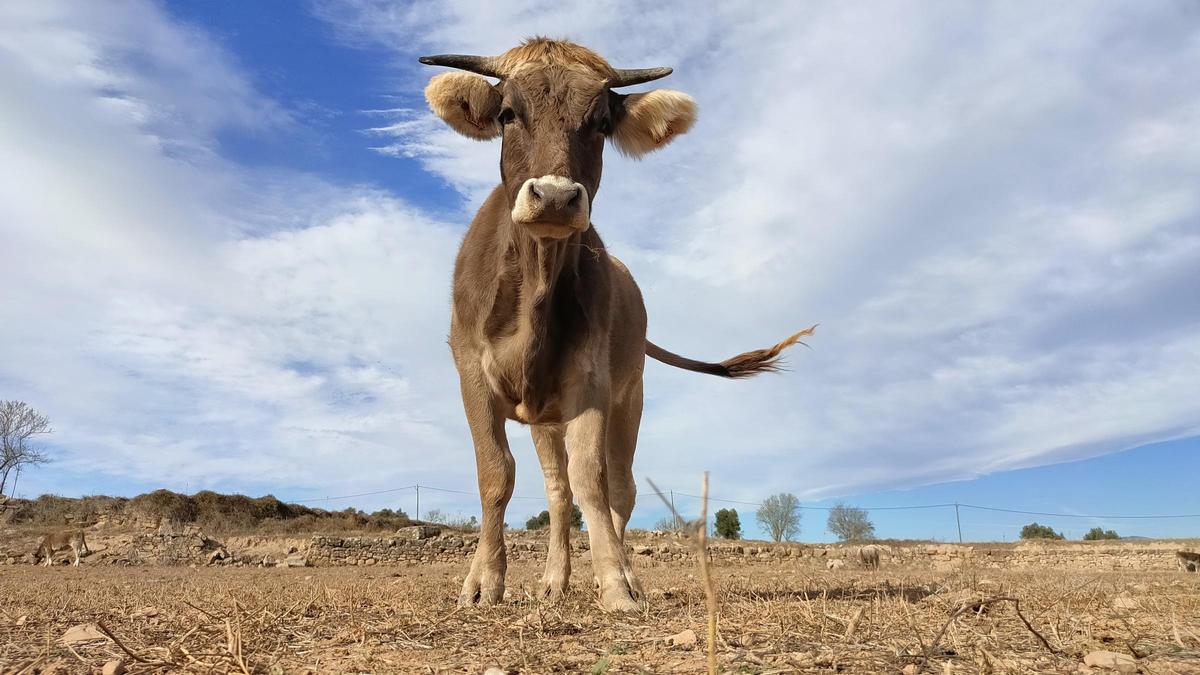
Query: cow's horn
pixel 484 65
pixel 630 76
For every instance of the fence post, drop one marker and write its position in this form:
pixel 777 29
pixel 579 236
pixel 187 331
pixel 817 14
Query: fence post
pixel 958 521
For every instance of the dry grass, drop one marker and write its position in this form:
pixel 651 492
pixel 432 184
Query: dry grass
pixel 774 618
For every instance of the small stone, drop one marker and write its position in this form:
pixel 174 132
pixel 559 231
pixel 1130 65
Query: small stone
pixel 114 667
pixel 1122 663
pixel 835 564
pixel 910 669
pixel 84 632
pixel 683 638
pixel 21 620
pixel 1124 603
pixel 495 671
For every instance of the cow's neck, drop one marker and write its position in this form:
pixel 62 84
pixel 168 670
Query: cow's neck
pixel 543 276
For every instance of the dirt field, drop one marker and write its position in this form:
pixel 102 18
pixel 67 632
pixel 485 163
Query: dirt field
pixel 773 619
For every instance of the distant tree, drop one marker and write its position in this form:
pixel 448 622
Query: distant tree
pixel 850 523
pixel 543 519
pixel 1036 531
pixel 438 517
pixel 20 424
pixel 779 516
pixel 728 525
pixel 1096 534
pixel 668 524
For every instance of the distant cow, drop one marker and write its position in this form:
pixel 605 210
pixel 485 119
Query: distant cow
pixel 869 556
pixel 1188 561
pixel 61 541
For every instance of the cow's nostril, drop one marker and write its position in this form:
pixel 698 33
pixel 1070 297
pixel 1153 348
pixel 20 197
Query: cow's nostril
pixel 574 201
pixel 533 188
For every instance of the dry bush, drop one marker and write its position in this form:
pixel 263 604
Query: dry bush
pixel 215 513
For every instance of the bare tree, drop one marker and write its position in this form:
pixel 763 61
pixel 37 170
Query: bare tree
pixel 850 523
pixel 19 425
pixel 779 515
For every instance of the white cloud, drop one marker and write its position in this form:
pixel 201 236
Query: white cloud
pixel 185 320
pixel 990 209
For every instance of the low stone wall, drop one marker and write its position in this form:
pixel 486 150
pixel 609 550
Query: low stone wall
pixel 325 550
pixel 435 547
pixel 423 545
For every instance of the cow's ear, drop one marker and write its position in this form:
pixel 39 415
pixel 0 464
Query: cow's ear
pixel 651 120
pixel 468 103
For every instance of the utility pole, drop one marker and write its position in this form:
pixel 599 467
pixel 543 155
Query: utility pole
pixel 418 516
pixel 15 479
pixel 674 513
pixel 958 521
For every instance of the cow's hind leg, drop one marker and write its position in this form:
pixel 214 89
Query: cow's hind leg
pixel 496 473
pixel 75 550
pixel 622 489
pixel 552 452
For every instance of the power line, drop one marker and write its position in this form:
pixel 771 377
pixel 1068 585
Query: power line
pixel 1079 515
pixel 361 494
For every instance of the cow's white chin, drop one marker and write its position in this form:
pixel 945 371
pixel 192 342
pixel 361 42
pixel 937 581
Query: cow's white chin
pixel 539 230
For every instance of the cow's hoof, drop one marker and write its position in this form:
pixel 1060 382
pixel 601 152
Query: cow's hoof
pixel 475 593
pixel 552 590
pixel 619 600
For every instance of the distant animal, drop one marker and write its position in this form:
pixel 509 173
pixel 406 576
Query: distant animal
pixel 1188 561
pixel 61 541
pixel 548 329
pixel 869 556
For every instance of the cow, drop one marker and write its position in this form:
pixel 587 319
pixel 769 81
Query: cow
pixel 547 328
pixel 869 556
pixel 61 541
pixel 1188 561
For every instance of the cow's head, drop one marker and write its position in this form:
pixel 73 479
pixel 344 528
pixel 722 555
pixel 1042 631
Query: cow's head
pixel 553 106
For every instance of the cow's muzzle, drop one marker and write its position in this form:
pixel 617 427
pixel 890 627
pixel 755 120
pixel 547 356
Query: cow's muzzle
pixel 552 207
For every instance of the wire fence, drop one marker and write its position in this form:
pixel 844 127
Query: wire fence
pixel 958 507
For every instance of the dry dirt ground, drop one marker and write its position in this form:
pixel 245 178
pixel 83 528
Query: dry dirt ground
pixel 774 618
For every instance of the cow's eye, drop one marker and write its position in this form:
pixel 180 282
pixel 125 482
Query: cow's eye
pixel 507 115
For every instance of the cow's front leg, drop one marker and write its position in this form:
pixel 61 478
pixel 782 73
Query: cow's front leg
pixel 548 439
pixel 496 472
pixel 587 467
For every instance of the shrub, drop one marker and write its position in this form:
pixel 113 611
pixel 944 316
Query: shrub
pixel 542 519
pixel 1036 531
pixel 728 526
pixel 1096 534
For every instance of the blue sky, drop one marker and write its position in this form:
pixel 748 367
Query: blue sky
pixel 228 230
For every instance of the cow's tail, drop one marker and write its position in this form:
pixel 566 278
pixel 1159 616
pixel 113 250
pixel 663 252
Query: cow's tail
pixel 742 365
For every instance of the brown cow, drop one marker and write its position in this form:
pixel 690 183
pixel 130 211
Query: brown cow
pixel 61 541
pixel 548 329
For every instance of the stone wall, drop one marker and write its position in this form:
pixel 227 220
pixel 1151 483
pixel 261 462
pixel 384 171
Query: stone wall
pixel 435 547
pixel 423 545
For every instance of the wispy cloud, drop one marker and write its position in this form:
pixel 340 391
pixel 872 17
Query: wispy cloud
pixel 990 209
